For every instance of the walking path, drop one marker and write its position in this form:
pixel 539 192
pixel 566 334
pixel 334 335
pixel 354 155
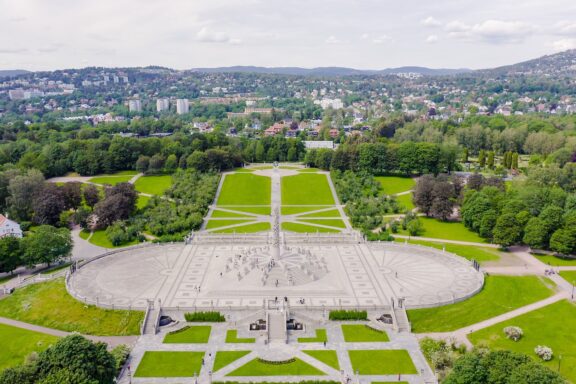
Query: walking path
pixel 485 245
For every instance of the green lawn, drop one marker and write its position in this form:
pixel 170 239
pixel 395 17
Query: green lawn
pixel 450 230
pixel 306 189
pixel 328 357
pixel 245 189
pixel 196 334
pixel 142 202
pixel 308 170
pixel 298 210
pixel 243 170
pixel 569 276
pixel 17 343
pixel 224 358
pixel 224 214
pixel 258 368
pixel 500 294
pixel 392 185
pixel 99 238
pixel 406 201
pixel 265 210
pixel 84 234
pixel 359 333
pixel 382 362
pixel 49 304
pixel 153 185
pixel 320 337
pixel 555 261
pixel 330 222
pixel 552 326
pixel 480 254
pixel 111 180
pixel 303 228
pixel 330 213
pixel 250 228
pixel 169 364
pixel 224 223
pixel 232 337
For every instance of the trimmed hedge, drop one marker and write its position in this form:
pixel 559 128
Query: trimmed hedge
pixel 348 315
pixel 281 362
pixel 209 316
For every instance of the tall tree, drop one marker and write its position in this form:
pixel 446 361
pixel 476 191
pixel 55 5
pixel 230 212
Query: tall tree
pixel 10 253
pixel 23 190
pixel 47 244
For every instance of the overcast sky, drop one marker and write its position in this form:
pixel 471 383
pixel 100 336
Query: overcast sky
pixel 367 34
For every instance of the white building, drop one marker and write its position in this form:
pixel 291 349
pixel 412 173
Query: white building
pixel 182 106
pixel 319 144
pixel 9 227
pixel 135 105
pixel 162 105
pixel 330 103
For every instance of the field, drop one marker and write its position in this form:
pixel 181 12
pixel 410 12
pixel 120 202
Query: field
pixel 99 238
pixel 480 254
pixel 197 334
pixel 328 357
pixel 392 185
pixel 224 223
pixel 259 368
pixel 552 326
pixel 17 343
pixel 153 185
pixel 249 228
pixel 225 214
pixel 555 261
pixel 406 201
pixel 501 294
pixel 299 210
pixel 232 337
pixel 169 364
pixel 49 304
pixel 224 358
pixel 354 333
pixel 329 213
pixel 306 189
pixel 245 189
pixel 110 180
pixel 302 228
pixel 569 276
pixel 446 230
pixel 329 222
pixel 382 362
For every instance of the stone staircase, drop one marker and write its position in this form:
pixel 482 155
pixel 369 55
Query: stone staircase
pixel 277 327
pixel 403 325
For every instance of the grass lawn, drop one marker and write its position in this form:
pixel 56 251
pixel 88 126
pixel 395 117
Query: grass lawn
pixel 359 333
pixel 552 326
pixel 328 357
pixel 245 189
pixel 569 276
pixel 298 210
pixel 320 337
pixel 142 202
pixel 49 305
pixel 303 228
pixel 99 238
pixel 406 201
pixel 249 228
pixel 555 261
pixel 258 368
pixel 306 189
pixel 153 185
pixel 225 214
pixel 256 210
pixel 169 364
pixel 196 334
pixel 500 294
pixel 451 230
pixel 84 234
pixel 308 170
pixel 224 358
pixel 17 343
pixel 392 185
pixel 232 337
pixel 382 362
pixel 246 170
pixel 111 180
pixel 224 223
pixel 480 254
pixel 330 213
pixel 330 222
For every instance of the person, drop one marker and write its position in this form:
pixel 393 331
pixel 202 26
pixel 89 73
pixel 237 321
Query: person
pixel 324 343
pixel 202 361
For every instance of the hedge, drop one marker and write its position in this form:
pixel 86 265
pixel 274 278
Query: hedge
pixel 348 315
pixel 210 316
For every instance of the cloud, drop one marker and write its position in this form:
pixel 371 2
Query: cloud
pixel 12 50
pixel 205 35
pixel 567 28
pixel 490 31
pixel 431 22
pixel 382 39
pixel 564 44
pixel 364 36
pixel 432 39
pixel 332 40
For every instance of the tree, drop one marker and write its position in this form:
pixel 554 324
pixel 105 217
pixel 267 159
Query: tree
pixel 482 158
pixel 490 160
pixel 536 234
pixel 119 203
pixel 47 245
pixel 197 160
pixel 424 193
pixel 23 190
pixel 507 230
pixel 156 163
pixel 443 203
pixel 515 160
pixel 415 227
pixel 142 164
pixel 10 253
pixel 48 204
pixel 468 369
pixel 171 163
pixel 72 195
pixel 475 181
pixel 563 241
pixel 91 195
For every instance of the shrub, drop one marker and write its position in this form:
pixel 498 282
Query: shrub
pixel 120 354
pixel 514 333
pixel 281 362
pixel 544 352
pixel 348 315
pixel 209 316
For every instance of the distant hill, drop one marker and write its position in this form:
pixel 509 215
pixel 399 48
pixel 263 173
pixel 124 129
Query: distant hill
pixel 557 64
pixel 12 72
pixel 332 71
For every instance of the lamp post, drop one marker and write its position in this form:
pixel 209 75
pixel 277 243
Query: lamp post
pixel 572 296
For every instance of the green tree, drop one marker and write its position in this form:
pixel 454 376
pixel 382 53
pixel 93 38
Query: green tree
pixel 563 241
pixel 536 234
pixel 10 253
pixel 490 160
pixel 482 158
pixel 171 163
pixel 507 230
pixel 47 244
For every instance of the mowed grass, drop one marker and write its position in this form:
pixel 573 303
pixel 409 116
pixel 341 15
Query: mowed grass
pixel 169 364
pixel 500 294
pixel 555 260
pixel 306 189
pixel 224 358
pixel 225 214
pixel 329 222
pixel 142 202
pixel 100 239
pixel 329 213
pixel 232 337
pixel 360 333
pixel 382 362
pixel 17 343
pixel 249 228
pixel 298 210
pixel 245 189
pixel 392 185
pixel 552 326
pixel 259 368
pixel 480 254
pixel 196 334
pixel 49 305
pixel 110 180
pixel 328 357
pixel 153 185
pixel 569 276
pixel 321 337
pixel 449 230
pixel 224 223
pixel 265 210
pixel 406 201
pixel 304 228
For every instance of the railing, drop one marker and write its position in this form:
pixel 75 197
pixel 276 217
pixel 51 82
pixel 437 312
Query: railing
pixel 145 320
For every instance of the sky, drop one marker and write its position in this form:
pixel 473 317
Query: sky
pixel 363 34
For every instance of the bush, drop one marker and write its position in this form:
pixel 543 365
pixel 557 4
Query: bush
pixel 282 362
pixel 514 333
pixel 544 352
pixel 348 315
pixel 120 353
pixel 209 316
pixel 380 236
